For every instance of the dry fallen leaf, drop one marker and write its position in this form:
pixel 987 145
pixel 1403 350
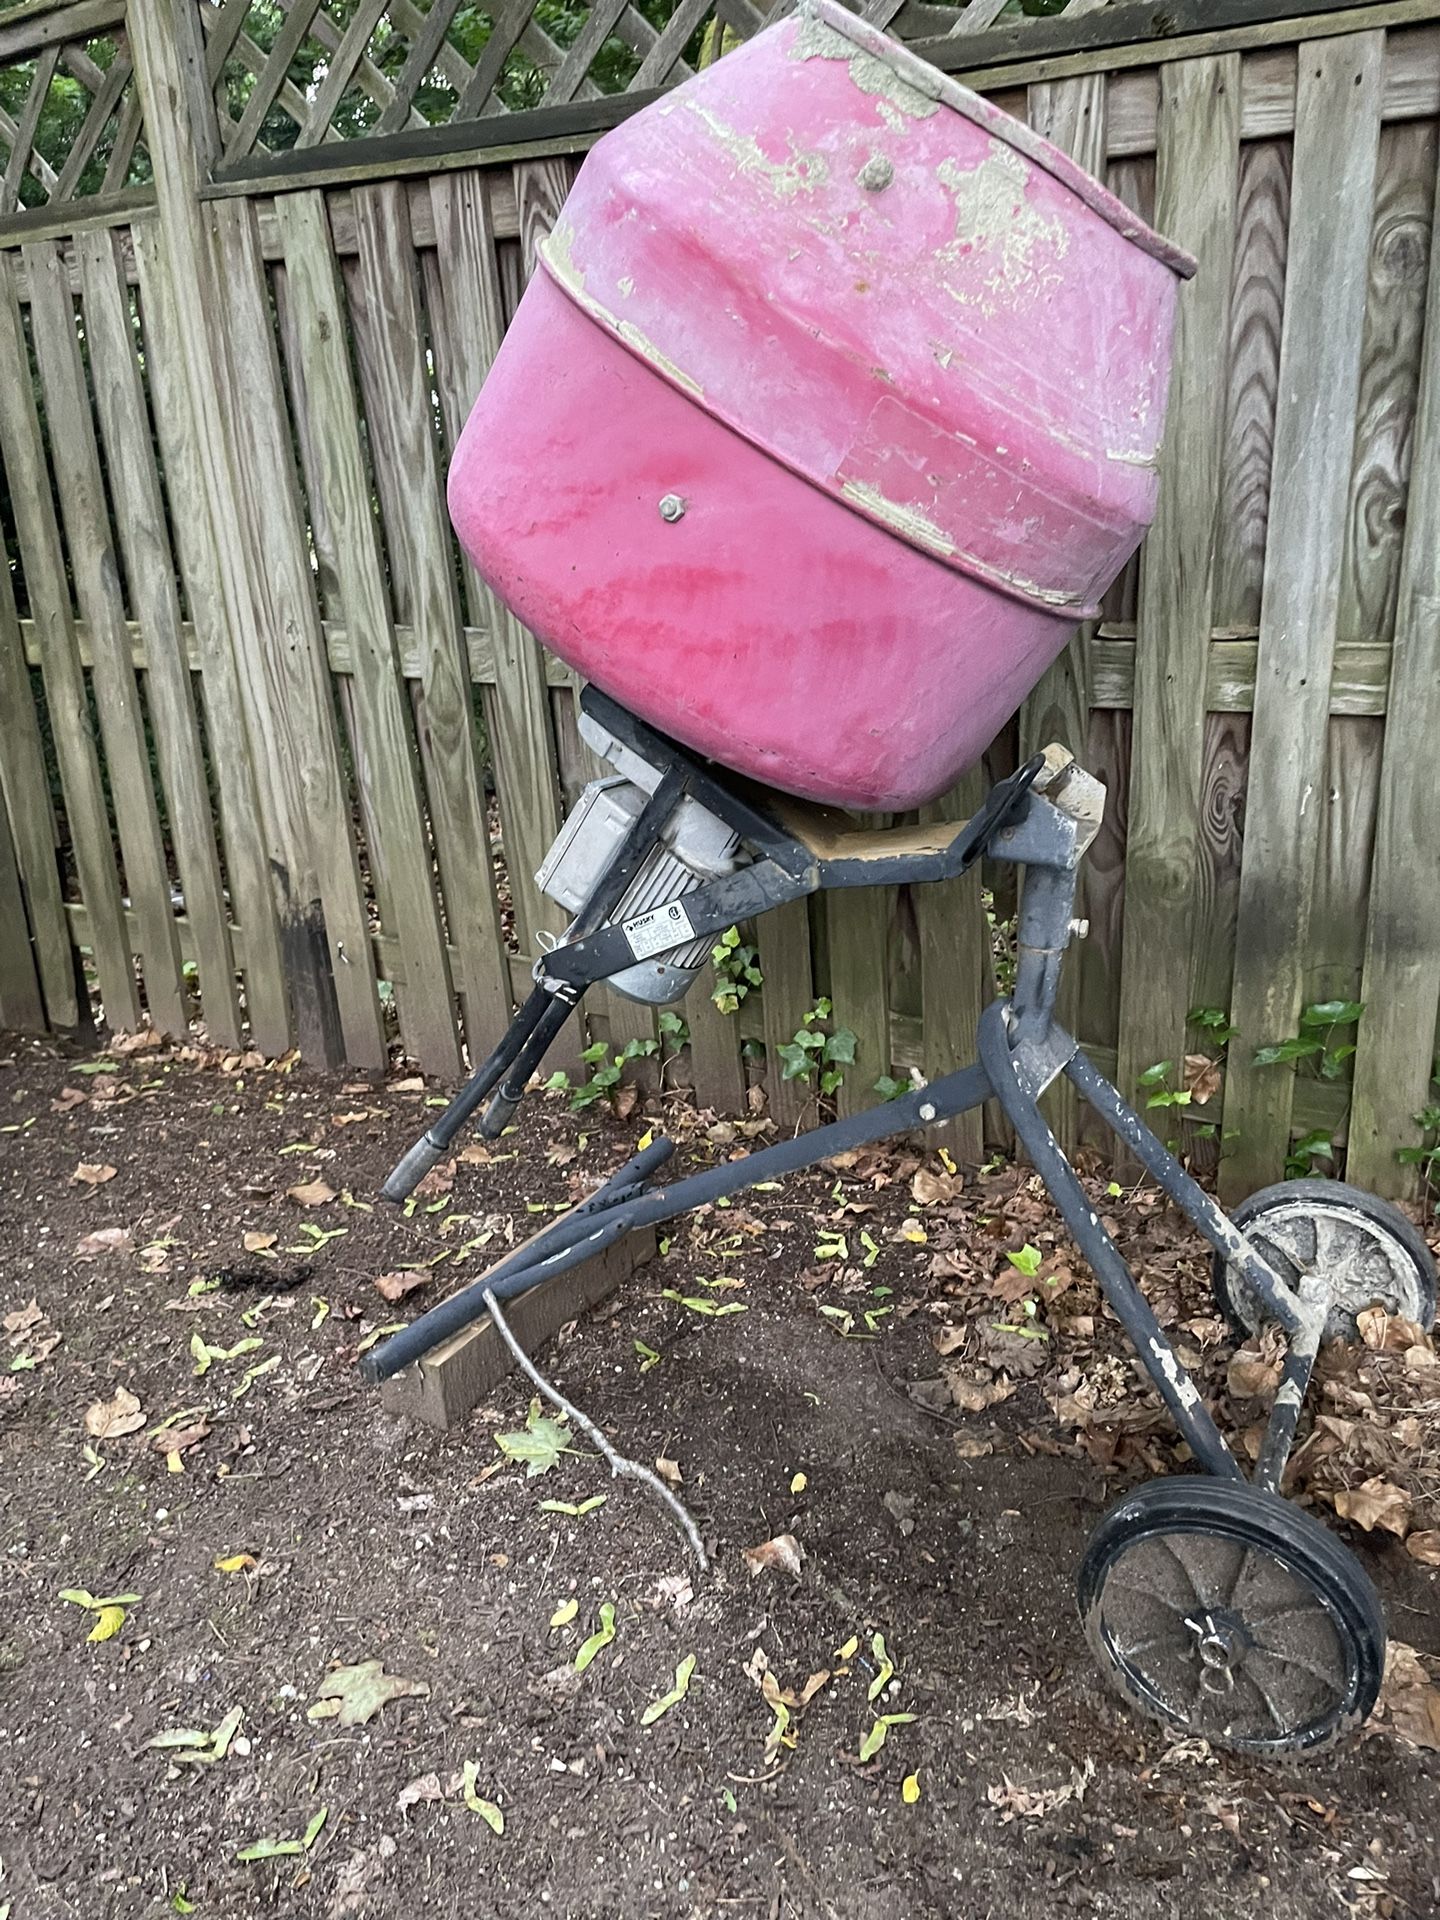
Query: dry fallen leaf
pixel 1250 1376
pixel 394 1286
pixel 1201 1078
pixel 933 1189
pixel 68 1097
pixel 22 1319
pixel 784 1553
pixel 427 1787
pixel 1409 1703
pixel 437 1181
pixel 258 1242
pixel 312 1193
pixel 948 1339
pixel 1424 1547
pixel 668 1470
pixel 91 1173
pixel 351 1696
pixel 103 1240
pixel 411 1084
pixel 1375 1503
pixel 108 1419
pixel 147 1040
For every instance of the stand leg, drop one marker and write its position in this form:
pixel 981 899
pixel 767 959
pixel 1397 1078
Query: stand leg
pixel 1131 1307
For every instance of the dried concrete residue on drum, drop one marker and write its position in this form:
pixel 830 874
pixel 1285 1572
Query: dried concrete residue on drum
pixel 816 39
pixel 801 173
pixel 997 230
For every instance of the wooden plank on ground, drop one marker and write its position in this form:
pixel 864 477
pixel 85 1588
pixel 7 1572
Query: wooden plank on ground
pixel 783 939
pixel 1330 226
pixel 150 568
pixel 317 309
pixel 242 834
pixel 65 694
pixel 858 922
pixel 954 976
pixel 292 713
pixel 1195 200
pixel 454 1378
pixel 25 792
pixel 1401 979
pixel 398 407
pixel 1073 115
pixel 22 1006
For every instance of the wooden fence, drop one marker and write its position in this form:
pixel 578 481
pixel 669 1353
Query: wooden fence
pixel 274 758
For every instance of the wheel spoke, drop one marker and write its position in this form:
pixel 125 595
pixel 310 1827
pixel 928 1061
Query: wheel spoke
pixel 1280 1720
pixel 1175 1554
pixel 1241 1570
pixel 1301 1665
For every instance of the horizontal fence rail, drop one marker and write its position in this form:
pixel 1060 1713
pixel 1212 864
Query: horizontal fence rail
pixel 274 758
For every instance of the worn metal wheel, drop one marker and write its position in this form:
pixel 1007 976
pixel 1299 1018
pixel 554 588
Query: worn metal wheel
pixel 1322 1236
pixel 1227 1613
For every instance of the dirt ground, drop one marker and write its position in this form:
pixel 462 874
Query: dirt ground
pixel 344 1535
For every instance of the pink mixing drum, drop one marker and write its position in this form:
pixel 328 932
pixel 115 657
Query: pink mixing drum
pixel 832 408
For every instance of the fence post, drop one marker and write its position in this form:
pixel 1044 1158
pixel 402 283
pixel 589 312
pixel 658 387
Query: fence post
pixel 182 137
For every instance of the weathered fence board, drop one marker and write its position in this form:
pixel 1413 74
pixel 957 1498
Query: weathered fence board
pixel 25 789
pixel 427 1013
pixel 65 691
pixel 1332 200
pixel 75 460
pixel 150 569
pixel 1165 904
pixel 1401 979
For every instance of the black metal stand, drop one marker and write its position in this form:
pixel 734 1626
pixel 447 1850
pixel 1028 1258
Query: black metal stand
pixel 1044 818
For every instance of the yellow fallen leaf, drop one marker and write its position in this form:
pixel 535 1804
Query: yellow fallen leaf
pixel 108 1623
pixel 799 1483
pixel 235 1563
pixel 173 1462
pixel 910 1789
pixel 565 1613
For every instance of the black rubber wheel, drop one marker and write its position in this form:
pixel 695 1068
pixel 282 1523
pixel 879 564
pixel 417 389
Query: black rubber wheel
pixel 1323 1235
pixel 1231 1615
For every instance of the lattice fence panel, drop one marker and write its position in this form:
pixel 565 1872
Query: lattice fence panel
pixel 302 73
pixel 70 123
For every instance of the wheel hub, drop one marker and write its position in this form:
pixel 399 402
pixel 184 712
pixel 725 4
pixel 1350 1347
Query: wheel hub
pixel 1221 1644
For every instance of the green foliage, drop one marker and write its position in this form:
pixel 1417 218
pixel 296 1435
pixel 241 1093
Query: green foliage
pixel 608 1070
pixel 1155 1083
pixel 890 1088
pixel 1427 1155
pixel 814 1051
pixel 1313 1147
pixel 1315 1041
pixel 1214 1023
pixel 67 105
pixel 736 970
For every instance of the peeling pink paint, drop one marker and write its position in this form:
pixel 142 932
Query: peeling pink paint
pixel 903 363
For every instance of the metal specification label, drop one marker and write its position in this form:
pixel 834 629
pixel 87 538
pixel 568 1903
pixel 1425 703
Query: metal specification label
pixel 658 930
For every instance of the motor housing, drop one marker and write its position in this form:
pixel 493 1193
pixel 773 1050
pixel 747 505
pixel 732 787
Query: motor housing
pixel 696 846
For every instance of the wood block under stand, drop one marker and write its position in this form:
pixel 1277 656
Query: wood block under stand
pixel 455 1377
